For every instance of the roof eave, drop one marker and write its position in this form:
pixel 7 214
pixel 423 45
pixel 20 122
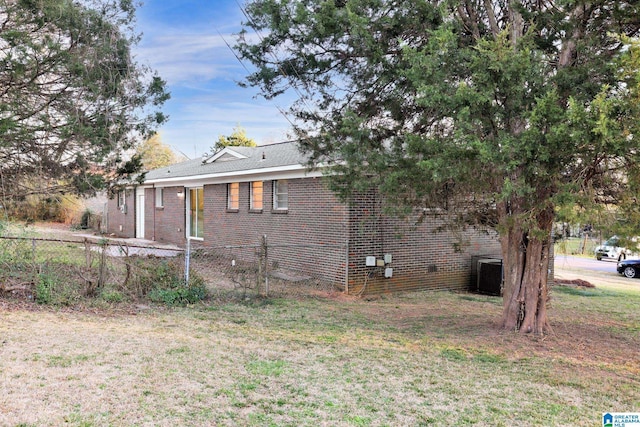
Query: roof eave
pixel 280 172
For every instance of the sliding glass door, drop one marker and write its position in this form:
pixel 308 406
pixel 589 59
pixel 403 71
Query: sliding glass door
pixel 196 213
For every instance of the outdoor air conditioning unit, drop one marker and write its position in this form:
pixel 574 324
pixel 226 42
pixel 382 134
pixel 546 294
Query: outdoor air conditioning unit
pixel 490 276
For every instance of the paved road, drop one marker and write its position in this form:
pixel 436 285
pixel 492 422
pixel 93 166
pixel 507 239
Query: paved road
pixel 599 273
pixel 581 263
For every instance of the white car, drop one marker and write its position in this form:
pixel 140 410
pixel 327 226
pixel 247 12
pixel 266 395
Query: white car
pixel 610 249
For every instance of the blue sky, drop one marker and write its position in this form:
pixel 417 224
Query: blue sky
pixel 182 41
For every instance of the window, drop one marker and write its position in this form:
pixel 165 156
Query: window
pixel 256 195
pixel 159 197
pixel 233 195
pixel 280 195
pixel 196 212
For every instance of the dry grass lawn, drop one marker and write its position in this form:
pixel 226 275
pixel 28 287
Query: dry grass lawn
pixel 415 359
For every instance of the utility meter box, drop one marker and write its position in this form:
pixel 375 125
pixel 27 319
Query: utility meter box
pixel 370 261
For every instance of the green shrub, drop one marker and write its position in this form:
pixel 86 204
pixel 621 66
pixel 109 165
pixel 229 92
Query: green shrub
pixel 44 289
pixel 52 288
pixel 162 281
pixel 179 296
pixel 112 296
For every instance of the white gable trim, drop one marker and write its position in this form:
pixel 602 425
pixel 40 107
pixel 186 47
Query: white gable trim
pixel 224 152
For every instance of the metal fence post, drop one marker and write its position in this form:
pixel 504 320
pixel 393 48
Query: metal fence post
pixel 266 263
pixel 104 243
pixel 187 262
pixel 33 261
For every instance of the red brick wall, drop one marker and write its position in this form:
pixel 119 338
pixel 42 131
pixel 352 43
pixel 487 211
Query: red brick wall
pixel 309 238
pixel 422 256
pixel 122 224
pixel 166 224
pixel 149 213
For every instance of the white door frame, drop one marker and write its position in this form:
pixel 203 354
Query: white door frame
pixel 140 213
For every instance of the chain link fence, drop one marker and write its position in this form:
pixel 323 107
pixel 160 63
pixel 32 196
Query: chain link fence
pixel 65 271
pixel 265 268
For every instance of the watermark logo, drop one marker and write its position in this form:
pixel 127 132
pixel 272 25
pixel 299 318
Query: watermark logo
pixel 621 419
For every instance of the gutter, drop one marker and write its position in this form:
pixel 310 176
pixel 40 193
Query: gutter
pixel 250 175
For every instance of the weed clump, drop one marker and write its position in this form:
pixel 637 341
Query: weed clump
pixel 165 283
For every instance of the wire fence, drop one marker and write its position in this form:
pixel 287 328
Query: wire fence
pixel 63 271
pixel 266 268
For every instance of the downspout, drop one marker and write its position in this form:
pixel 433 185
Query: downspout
pixel 347 228
pixel 135 211
pixel 184 212
pixel 154 212
pixel 346 268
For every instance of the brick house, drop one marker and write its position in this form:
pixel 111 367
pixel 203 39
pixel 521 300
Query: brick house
pixel 243 193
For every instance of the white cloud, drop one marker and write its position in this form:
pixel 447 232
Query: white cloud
pixel 188 51
pixel 182 58
pixel 200 125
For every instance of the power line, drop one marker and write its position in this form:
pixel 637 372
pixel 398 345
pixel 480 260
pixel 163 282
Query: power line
pixel 247 70
pixel 278 62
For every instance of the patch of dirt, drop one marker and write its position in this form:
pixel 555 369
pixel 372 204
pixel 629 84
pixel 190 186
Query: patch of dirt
pixel 588 342
pixel 576 282
pixel 46 226
pixel 59 229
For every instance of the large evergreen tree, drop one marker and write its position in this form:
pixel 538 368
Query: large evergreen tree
pixel 72 98
pixel 493 111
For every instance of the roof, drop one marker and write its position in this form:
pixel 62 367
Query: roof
pixel 231 163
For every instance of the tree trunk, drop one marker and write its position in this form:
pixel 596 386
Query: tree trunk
pixel 526 264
